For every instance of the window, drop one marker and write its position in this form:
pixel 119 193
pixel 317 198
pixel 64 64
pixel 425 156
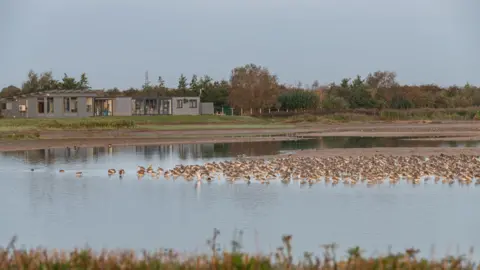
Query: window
pixel 151 106
pixel 41 105
pixel 89 104
pixel 4 106
pixel 179 103
pixel 70 104
pixel 193 103
pixel 73 104
pixel 50 105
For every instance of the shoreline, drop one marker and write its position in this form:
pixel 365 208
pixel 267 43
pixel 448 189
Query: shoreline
pixel 26 145
pixel 393 151
pixel 461 131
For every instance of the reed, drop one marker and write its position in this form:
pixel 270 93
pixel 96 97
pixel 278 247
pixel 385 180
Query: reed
pixel 282 258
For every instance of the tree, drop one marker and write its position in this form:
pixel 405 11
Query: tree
pixel 359 96
pixel 131 92
pixel 216 92
pixel 83 82
pixel 381 79
pixel 161 82
pixel 182 85
pixel 205 83
pixel 299 99
pixel 334 103
pixel 68 83
pixel 194 85
pixel 32 83
pixel 10 91
pixel 114 92
pixel 47 82
pixel 253 87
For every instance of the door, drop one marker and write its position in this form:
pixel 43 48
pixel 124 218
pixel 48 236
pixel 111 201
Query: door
pixel 165 107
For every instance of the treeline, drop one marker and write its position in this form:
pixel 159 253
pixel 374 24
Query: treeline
pixel 253 88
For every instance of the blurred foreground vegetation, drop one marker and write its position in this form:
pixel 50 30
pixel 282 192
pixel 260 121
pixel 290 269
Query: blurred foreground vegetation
pixel 282 258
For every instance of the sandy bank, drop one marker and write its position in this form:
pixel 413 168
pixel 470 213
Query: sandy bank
pixel 394 151
pixel 90 138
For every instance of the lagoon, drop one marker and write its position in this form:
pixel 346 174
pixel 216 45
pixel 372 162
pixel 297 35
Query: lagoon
pixel 54 210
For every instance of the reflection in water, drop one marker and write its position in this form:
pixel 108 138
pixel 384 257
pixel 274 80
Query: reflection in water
pixel 184 152
pixel 48 208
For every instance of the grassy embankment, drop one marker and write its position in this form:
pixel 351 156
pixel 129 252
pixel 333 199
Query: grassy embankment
pixel 31 128
pixel 389 115
pixel 11 258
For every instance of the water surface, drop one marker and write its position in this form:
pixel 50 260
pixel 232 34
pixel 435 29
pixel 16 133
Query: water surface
pixel 56 210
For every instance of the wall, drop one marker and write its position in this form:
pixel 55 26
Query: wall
pixel 58 108
pixel 207 108
pixel 185 110
pixel 12 110
pixel 31 103
pixel 122 106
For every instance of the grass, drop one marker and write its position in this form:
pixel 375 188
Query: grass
pixel 366 115
pixel 141 122
pixel 19 136
pixel 208 122
pixel 282 258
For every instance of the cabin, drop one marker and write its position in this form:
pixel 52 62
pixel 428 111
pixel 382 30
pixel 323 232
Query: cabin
pixel 64 104
pixel 170 106
pixel 88 103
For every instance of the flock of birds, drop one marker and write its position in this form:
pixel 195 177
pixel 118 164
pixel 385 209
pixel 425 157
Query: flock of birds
pixel 374 170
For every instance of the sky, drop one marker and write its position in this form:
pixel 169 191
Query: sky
pixel 116 41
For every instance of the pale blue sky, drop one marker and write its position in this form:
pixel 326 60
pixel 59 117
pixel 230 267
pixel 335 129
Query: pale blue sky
pixel 116 41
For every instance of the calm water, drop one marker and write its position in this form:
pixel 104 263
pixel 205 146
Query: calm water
pixel 47 208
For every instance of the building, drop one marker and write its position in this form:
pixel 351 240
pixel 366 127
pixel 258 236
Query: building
pixel 64 104
pixel 11 107
pixel 170 106
pixel 87 103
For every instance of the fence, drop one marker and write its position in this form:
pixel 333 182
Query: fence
pixel 468 113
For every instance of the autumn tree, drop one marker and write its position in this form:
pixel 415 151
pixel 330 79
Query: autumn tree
pixel 10 91
pixel 253 87
pixel 381 79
